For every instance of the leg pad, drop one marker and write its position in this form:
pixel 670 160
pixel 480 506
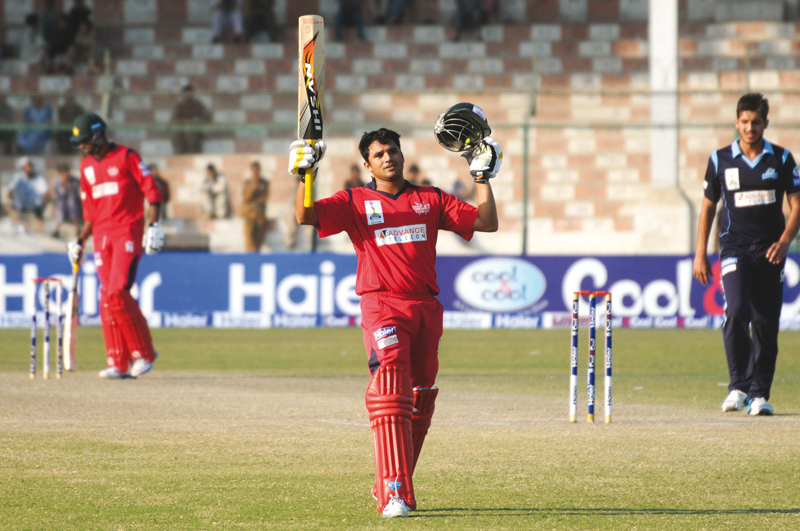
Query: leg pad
pixel 116 353
pixel 424 402
pixel 132 324
pixel 390 402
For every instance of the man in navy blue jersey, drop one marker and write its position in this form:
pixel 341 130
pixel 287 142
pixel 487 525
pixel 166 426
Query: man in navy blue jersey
pixel 751 176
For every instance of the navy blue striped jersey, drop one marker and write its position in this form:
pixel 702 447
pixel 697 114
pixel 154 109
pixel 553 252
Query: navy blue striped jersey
pixel 751 191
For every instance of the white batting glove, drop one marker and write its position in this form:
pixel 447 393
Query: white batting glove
pixel 153 239
pixel 485 160
pixel 304 158
pixel 75 252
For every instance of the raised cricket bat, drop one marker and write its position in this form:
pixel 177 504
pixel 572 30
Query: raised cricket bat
pixel 71 326
pixel 311 80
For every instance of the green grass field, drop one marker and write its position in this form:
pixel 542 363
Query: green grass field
pixel 267 429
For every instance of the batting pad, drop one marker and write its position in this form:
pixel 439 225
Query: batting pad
pixel 132 324
pixel 424 400
pixel 390 402
pixel 116 353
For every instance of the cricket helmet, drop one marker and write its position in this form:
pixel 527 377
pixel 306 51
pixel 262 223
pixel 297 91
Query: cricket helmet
pixel 85 127
pixel 461 127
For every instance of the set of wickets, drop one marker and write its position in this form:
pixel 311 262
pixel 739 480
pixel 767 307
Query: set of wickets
pixel 590 376
pixel 59 330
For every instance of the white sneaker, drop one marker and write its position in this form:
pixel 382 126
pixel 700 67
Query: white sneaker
pixel 759 406
pixel 141 366
pixel 396 507
pixel 734 401
pixel 113 374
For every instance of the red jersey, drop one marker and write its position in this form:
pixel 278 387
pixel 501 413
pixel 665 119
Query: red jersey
pixel 113 189
pixel 395 236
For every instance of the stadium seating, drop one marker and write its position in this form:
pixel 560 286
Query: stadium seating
pixel 588 139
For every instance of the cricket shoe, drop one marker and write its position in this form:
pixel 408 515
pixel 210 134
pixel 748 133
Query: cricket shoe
pixel 113 374
pixel 759 406
pixel 141 366
pixel 396 508
pixel 734 401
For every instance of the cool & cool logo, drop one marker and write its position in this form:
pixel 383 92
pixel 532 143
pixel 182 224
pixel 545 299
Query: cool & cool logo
pixel 500 284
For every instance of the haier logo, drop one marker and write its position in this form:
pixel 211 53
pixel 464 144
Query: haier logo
pixel 383 332
pixel 500 284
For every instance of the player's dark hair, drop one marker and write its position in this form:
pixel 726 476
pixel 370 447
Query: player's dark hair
pixel 382 135
pixel 755 102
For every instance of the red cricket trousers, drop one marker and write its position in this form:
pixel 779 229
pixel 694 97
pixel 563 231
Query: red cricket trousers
pixel 403 330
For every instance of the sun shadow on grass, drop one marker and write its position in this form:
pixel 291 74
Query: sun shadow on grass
pixel 599 511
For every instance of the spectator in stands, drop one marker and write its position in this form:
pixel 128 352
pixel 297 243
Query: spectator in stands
pixel 261 17
pixel 58 47
pixel 67 196
pixel 36 140
pixel 380 9
pixel 350 15
pixel 82 55
pixel 216 188
pixel 464 190
pixel 66 116
pixel 415 177
pixel 189 111
pixel 32 46
pixel 7 138
pixel 468 16
pixel 163 185
pixel 398 11
pixel 255 193
pixel 227 14
pixel 49 17
pixel 78 15
pixel 28 193
pixel 354 181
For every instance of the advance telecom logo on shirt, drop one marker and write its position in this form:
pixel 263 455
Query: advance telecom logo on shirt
pixel 754 198
pixel 406 234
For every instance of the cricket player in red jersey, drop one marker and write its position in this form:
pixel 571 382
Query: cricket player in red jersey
pixel 114 185
pixel 393 226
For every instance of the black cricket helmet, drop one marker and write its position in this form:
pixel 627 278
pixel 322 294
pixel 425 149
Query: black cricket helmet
pixel 461 127
pixel 85 127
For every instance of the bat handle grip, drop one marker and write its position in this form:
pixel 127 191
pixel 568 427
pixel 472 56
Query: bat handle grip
pixel 308 199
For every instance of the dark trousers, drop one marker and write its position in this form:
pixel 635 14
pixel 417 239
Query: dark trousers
pixel 753 299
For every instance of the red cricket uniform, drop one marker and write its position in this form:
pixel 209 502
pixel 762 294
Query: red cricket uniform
pixel 113 190
pixel 395 240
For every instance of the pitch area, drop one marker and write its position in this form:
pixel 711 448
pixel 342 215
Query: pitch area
pixel 267 429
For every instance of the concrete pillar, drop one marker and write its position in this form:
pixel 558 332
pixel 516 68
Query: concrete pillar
pixel 663 51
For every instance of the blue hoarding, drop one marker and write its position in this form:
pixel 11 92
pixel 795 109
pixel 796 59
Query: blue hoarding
pixel 308 290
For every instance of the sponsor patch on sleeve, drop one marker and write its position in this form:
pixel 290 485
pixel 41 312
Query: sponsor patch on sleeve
pixel 144 169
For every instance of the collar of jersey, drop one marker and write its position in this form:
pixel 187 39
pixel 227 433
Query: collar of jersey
pixel 372 186
pixel 112 147
pixel 736 150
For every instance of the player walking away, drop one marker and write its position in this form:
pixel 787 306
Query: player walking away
pixel 393 226
pixel 114 185
pixel 751 176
